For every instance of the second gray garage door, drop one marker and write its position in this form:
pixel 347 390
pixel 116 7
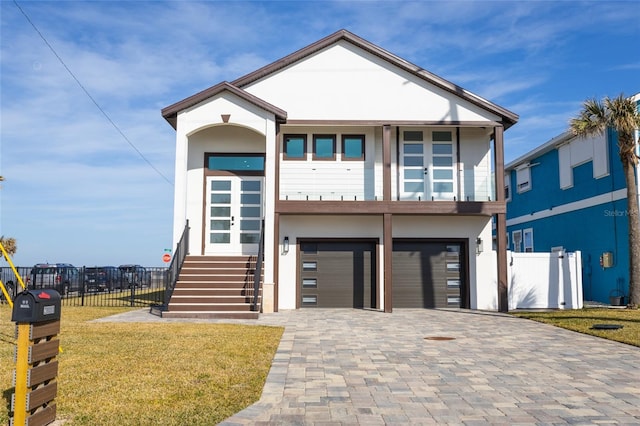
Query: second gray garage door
pixel 337 274
pixel 428 274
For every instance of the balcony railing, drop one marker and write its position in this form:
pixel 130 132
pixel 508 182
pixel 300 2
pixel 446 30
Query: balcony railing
pixel 469 185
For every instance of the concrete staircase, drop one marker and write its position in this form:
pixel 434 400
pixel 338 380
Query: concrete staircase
pixel 214 287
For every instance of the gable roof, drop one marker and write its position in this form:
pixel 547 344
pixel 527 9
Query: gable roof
pixel 508 118
pixel 170 113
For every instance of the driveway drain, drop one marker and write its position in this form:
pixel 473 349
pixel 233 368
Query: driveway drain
pixel 606 326
pixel 439 338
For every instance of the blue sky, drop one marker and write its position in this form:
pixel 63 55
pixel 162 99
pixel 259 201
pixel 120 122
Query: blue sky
pixel 89 184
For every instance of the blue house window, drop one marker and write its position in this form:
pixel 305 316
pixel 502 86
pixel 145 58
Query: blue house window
pixel 236 163
pixel 295 147
pixel 324 147
pixel 352 147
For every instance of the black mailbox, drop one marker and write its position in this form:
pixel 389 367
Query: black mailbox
pixel 34 306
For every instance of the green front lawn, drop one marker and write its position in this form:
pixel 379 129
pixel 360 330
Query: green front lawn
pixel 149 373
pixel 584 320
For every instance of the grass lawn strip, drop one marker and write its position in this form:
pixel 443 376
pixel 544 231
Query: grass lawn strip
pixel 583 321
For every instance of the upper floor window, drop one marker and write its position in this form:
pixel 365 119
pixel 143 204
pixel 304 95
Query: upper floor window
pixel 523 178
pixel 412 136
pixel 352 147
pixel 507 186
pixel 295 147
pixel 324 147
pixel 441 136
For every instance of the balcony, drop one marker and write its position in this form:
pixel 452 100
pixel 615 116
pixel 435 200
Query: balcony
pixel 468 185
pixel 345 192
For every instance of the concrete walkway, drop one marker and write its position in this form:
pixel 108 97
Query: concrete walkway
pixel 349 367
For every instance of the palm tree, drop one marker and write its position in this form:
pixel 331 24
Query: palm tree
pixel 9 244
pixel 620 114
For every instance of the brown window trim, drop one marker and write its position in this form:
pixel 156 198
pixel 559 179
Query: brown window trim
pixel 315 137
pixel 362 140
pixel 284 146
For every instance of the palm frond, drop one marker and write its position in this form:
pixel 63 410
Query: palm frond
pixel 591 120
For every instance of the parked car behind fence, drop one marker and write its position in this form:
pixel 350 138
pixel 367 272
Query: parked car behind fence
pixel 102 278
pixel 150 288
pixel 135 276
pixel 63 277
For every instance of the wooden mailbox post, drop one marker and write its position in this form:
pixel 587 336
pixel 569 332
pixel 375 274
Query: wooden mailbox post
pixel 37 317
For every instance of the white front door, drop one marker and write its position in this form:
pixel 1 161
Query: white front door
pixel 233 215
pixel 427 166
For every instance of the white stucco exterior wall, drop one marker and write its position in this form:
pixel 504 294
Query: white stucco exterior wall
pixel 201 129
pixel 469 228
pixel 345 82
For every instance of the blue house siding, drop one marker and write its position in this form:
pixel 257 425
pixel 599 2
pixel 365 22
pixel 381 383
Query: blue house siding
pixel 545 189
pixel 589 216
pixel 593 231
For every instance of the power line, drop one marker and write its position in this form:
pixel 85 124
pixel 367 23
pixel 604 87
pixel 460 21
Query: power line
pixel 104 113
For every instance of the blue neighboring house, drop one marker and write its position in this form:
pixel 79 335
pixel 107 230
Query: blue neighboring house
pixel 570 194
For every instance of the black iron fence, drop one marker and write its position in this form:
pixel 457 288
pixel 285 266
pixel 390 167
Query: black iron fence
pixel 93 286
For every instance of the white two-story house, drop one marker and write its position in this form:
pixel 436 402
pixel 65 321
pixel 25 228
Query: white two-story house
pixel 373 179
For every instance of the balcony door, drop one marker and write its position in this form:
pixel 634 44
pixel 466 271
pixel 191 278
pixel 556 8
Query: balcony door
pixel 233 214
pixel 427 160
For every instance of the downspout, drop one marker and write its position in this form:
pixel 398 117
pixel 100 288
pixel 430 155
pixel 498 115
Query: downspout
pixel 458 163
pixel 398 163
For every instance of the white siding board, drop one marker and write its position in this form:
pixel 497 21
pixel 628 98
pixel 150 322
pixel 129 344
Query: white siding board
pixel 330 179
pixel 564 164
pixel 475 165
pixel 580 151
pixel 600 157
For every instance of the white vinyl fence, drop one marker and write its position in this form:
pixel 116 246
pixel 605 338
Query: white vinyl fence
pixel 539 281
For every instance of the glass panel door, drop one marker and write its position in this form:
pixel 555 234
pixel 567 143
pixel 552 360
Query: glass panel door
pixel 414 171
pixel 442 175
pixel 427 166
pixel 233 214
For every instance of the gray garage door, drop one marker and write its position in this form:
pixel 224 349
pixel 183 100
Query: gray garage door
pixel 337 274
pixel 428 274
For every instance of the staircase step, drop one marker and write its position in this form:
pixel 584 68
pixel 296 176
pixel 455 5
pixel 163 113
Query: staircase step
pixel 190 291
pixel 213 299
pixel 211 315
pixel 214 287
pixel 209 307
pixel 215 278
pixel 242 270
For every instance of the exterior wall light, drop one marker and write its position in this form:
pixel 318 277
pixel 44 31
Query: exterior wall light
pixel 285 245
pixel 479 248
